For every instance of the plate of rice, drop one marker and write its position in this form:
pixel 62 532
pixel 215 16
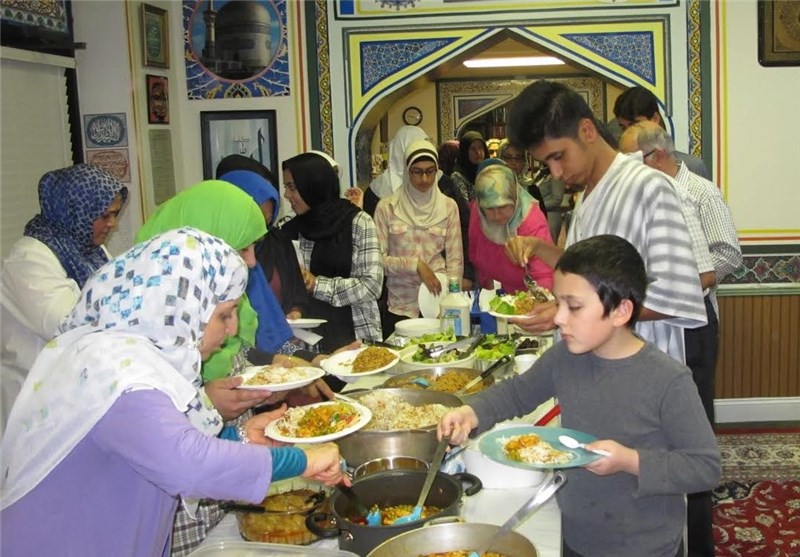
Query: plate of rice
pixel 533 447
pixel 319 423
pixel 276 378
pixel 361 362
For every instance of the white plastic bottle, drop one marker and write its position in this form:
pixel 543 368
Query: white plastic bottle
pixel 454 309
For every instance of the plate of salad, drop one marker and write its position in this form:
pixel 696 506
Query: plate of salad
pixel 521 303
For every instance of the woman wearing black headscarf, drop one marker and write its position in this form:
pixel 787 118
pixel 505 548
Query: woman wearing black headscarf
pixel 471 151
pixel 342 265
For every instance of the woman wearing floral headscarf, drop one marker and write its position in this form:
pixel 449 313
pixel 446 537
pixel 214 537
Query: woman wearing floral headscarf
pixel 419 231
pixel 96 456
pixel 502 211
pixel 46 269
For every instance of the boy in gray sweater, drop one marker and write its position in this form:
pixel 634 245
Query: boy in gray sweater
pixel 641 404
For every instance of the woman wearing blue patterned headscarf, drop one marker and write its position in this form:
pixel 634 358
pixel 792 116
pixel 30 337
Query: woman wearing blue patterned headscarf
pixel 105 438
pixel 46 269
pixel 76 216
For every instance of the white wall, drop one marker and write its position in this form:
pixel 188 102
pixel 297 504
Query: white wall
pixel 104 83
pixel 759 117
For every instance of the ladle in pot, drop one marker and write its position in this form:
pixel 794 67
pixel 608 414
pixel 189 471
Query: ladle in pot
pixel 543 495
pixel 416 514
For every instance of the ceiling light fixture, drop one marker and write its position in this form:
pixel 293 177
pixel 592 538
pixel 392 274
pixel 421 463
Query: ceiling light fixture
pixel 513 62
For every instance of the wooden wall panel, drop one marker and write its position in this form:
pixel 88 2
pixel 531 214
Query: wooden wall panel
pixel 759 351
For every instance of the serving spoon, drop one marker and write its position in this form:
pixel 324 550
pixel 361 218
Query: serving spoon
pixel 543 495
pixel 571 443
pixel 416 514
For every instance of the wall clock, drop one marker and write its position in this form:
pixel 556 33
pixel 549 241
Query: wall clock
pixel 412 116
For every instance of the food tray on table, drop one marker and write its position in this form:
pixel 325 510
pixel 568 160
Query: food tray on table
pixel 250 549
pixel 286 506
pixel 445 379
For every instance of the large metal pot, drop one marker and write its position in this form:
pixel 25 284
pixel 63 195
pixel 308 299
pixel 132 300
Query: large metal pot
pixel 362 446
pixel 396 487
pixel 453 537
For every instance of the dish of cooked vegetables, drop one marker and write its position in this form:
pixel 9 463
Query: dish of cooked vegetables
pixel 391 513
pixel 462 554
pixel 278 378
pixel 520 303
pixel 534 447
pixel 362 361
pixel 493 347
pixel 318 423
pixel 448 381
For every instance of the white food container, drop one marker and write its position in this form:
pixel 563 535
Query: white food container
pixel 414 328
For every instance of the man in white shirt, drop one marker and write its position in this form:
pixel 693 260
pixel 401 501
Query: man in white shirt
pixel 718 229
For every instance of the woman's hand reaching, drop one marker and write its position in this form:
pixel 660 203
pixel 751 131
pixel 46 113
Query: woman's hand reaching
pixel 429 278
pixel 324 464
pixel 309 280
pixel 255 426
pixel 231 402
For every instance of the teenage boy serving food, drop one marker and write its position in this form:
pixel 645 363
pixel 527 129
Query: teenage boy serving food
pixel 641 404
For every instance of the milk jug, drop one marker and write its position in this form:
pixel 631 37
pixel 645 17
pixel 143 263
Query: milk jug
pixel 454 309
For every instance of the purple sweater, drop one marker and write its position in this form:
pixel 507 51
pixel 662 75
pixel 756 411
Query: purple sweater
pixel 117 491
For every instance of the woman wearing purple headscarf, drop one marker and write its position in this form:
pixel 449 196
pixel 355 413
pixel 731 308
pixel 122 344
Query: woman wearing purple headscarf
pixel 46 269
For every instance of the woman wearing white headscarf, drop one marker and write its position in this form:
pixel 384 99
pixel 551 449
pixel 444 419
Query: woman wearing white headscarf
pixel 416 226
pixel 391 179
pixel 108 432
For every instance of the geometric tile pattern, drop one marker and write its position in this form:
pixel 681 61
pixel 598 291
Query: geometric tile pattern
pixel 466 107
pixel 695 84
pixel 766 269
pixel 634 51
pixel 380 59
pixel 324 77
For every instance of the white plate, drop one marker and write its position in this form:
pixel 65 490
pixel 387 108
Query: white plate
pixel 306 322
pixel 311 375
pixel 428 303
pixel 341 364
pixel 273 432
pixel 506 315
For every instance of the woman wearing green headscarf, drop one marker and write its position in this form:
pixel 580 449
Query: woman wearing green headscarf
pixel 225 211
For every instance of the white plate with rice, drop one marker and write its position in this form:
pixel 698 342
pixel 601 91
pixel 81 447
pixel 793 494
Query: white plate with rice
pixel 341 364
pixel 278 378
pixel 288 428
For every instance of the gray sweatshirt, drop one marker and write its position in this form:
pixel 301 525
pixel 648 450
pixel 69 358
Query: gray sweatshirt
pixel 647 402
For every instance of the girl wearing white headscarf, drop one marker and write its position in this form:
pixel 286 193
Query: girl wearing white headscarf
pixel 107 432
pixel 390 180
pixel 416 225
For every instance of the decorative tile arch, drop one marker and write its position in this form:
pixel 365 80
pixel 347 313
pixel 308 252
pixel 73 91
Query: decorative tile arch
pixel 629 51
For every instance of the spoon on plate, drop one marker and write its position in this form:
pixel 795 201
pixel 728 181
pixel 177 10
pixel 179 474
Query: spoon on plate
pixel 571 443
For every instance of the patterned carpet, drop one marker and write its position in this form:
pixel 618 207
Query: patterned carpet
pixel 757 504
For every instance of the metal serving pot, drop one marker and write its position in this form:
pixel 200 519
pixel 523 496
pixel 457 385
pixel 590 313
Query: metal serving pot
pixel 405 379
pixel 362 446
pixel 440 538
pixel 395 487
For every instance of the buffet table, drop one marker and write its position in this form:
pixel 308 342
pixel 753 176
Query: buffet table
pixel 491 506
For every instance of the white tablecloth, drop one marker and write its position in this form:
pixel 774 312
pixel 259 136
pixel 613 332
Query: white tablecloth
pixel 491 506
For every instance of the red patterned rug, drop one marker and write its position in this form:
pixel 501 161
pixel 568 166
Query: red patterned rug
pixel 757 504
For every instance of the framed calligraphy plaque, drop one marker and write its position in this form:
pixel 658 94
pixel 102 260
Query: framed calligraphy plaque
pixel 250 133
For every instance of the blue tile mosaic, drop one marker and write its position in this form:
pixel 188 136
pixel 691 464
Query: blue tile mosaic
pixel 465 107
pixel 380 59
pixel 633 51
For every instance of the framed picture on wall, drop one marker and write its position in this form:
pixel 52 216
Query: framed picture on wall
pixel 778 36
pixel 157 99
pixel 155 36
pixel 249 133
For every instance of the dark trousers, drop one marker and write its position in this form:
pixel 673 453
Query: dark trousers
pixel 388 321
pixel 701 358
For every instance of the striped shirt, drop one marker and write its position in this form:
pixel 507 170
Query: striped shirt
pixel 362 288
pixel 639 204
pixel 691 215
